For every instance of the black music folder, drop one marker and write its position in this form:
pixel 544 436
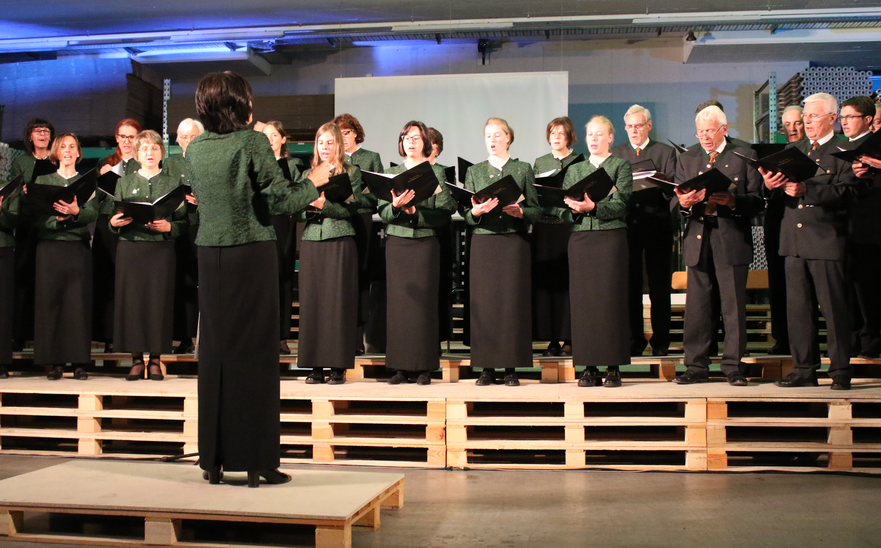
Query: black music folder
pixel 285 169
pixel 556 180
pixel 11 186
pixel 871 147
pixel 450 174
pixel 463 169
pixel 338 188
pixel 143 213
pixel 713 181
pixel 505 189
pixel 794 164
pixel 41 198
pixel 642 171
pixel 597 185
pixel 679 148
pixel 420 178
pixel 42 167
pixel 107 183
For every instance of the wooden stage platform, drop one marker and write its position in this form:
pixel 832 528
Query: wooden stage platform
pixel 168 496
pixel 644 425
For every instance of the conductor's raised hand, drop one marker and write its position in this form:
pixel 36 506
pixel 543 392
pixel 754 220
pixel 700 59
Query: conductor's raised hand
pixel 118 220
pixel 773 179
pixel 319 203
pixel 690 198
pixel 580 206
pixel 320 174
pixel 479 209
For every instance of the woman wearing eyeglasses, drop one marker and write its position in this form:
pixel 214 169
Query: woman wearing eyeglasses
pixel 412 259
pixel 499 265
pixel 145 263
pixel 366 239
pixel 598 258
pixel 123 162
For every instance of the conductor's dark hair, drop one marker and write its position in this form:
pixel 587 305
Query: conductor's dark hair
pixel 223 101
pixel 710 103
pixel 347 121
pixel 36 123
pixel 436 139
pixel 423 132
pixel 568 127
pixel 862 104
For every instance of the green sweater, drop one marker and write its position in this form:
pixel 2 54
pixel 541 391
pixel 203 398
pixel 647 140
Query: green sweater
pixel 137 188
pixel 8 217
pixel 104 203
pixel 370 161
pixel 609 212
pixel 482 175
pixel 430 214
pixel 73 229
pixel 239 186
pixel 23 164
pixel 332 221
pixel 176 168
pixel 546 163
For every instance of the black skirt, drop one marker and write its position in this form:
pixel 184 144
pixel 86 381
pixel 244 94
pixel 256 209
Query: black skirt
pixel 7 298
pixel 328 303
pixel 412 280
pixel 63 309
pixel 286 246
pixel 144 300
pixel 550 282
pixel 239 381
pixel 598 291
pixel 104 245
pixel 501 315
pixel 186 285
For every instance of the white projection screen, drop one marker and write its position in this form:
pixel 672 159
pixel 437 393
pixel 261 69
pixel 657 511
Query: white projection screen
pixel 457 105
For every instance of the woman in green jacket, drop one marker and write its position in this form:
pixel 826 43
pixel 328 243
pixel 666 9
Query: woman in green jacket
pixel 63 307
pixel 238 185
pixel 598 270
pixel 412 257
pixel 499 265
pixel 329 269
pixel 145 263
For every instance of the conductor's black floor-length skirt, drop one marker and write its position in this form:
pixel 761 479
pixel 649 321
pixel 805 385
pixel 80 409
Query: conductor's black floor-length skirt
pixel 63 308
pixel 412 279
pixel 598 275
pixel 239 383
pixel 501 301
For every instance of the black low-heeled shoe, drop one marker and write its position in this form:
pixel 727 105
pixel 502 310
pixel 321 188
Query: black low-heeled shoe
pixel 274 477
pixel 213 475
pixel 55 373
pixel 4 373
pixel 137 371
pixel 157 376
pixel 80 374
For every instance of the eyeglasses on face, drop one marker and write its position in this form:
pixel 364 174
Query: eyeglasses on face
pixel 708 132
pixel 42 131
pixel 411 138
pixel 814 117
pixel 850 117
pixel 629 127
pixel 128 138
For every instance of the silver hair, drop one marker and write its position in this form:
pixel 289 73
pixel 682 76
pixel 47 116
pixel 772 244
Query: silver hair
pixel 712 112
pixel 639 109
pixel 830 101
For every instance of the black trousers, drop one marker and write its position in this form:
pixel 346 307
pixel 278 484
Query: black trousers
pixel 865 271
pixel 776 278
pixel 827 278
pixel 730 281
pixel 652 236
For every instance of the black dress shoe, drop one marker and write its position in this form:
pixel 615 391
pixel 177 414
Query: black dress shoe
pixel 337 376
pixel 56 373
pixel 213 475
pixel 613 377
pixel 316 376
pixel 80 374
pixel 184 347
pixel 155 371
pixel 487 377
pixel 779 350
pixel 424 378
pixel 660 351
pixel 4 373
pixel 840 382
pixel 590 377
pixel 552 351
pixel 511 379
pixel 691 377
pixel 283 348
pixel 737 379
pixel 398 378
pixel 271 476
pixel 137 371
pixel 794 380
pixel 566 350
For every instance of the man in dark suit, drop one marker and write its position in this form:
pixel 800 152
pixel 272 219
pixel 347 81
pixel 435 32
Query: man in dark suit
pixel 649 231
pixel 733 141
pixel 863 238
pixel 812 238
pixel 717 246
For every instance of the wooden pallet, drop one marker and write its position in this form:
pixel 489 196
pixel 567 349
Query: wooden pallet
pixel 169 498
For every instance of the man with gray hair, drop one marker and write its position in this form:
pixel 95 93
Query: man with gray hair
pixel 717 247
pixel 812 238
pixel 793 125
pixel 649 231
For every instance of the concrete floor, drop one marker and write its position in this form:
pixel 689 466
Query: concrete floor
pixel 561 509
